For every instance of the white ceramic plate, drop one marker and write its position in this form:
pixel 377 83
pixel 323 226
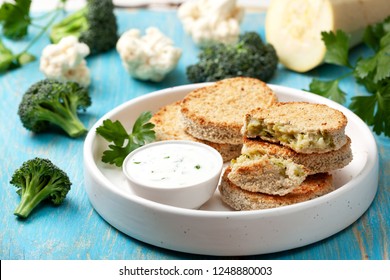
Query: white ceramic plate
pixel 215 229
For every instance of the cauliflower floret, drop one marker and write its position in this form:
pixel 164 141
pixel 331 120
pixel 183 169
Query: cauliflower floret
pixel 209 21
pixel 65 61
pixel 149 57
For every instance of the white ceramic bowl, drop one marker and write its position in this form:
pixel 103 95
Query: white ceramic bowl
pixel 177 173
pixel 215 229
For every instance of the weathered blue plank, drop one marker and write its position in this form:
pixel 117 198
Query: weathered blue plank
pixel 74 230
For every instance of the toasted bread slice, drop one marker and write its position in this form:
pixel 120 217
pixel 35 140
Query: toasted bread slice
pixel 302 126
pixel 313 163
pixel 266 174
pixel 215 113
pixel 168 126
pixel 314 186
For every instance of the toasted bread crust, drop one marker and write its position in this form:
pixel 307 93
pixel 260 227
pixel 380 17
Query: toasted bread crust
pixel 314 163
pixel 302 118
pixel 215 113
pixel 169 126
pixel 314 186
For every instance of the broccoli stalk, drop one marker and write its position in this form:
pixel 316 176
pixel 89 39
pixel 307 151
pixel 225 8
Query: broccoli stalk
pixel 249 57
pixel 37 180
pixel 52 102
pixel 94 25
pixel 72 25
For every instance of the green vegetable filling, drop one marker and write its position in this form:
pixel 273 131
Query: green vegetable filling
pixel 286 168
pixel 296 140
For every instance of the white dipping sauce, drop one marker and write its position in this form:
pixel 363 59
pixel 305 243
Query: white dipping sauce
pixel 171 165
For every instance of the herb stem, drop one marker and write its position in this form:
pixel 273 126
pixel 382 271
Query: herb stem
pixel 346 75
pixel 56 11
pixel 37 25
pixel 45 15
pixel 43 30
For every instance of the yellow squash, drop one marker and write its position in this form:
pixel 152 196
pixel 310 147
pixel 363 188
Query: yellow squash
pixel 294 27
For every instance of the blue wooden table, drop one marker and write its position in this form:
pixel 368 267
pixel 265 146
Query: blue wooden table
pixel 74 230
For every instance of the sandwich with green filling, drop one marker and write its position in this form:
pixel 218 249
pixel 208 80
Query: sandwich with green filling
pixel 277 170
pixel 301 126
pixel 313 163
pixel 267 174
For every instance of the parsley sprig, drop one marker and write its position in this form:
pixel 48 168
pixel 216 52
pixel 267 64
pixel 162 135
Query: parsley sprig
pixel 124 143
pixel 15 20
pixel 372 72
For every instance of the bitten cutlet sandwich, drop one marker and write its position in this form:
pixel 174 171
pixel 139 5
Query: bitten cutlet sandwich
pixel 266 174
pixel 215 113
pixel 169 126
pixel 314 186
pixel 313 163
pixel 304 127
pixel 284 145
pixel 274 169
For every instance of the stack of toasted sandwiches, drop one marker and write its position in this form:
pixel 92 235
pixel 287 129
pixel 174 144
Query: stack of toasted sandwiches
pixel 213 114
pixel 289 150
pixel 281 154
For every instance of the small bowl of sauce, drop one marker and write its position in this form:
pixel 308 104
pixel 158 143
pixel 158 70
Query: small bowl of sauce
pixel 178 173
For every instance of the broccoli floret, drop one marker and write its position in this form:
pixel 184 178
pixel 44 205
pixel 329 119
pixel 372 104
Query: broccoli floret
pixel 94 25
pixel 249 57
pixel 52 102
pixel 37 180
